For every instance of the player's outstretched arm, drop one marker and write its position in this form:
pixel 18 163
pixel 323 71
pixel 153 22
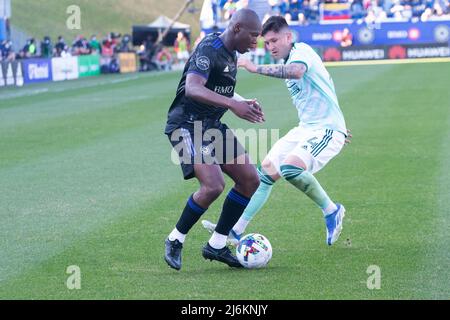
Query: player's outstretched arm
pixel 282 71
pixel 196 90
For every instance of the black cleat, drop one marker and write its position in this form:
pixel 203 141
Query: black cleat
pixel 173 253
pixel 222 255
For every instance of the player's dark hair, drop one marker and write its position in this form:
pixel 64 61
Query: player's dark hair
pixel 275 24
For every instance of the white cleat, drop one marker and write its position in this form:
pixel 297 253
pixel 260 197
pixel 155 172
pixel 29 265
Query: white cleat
pixel 209 226
pixel 233 238
pixel 334 224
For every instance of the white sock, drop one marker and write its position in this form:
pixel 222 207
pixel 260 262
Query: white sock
pixel 218 241
pixel 175 234
pixel 329 209
pixel 240 226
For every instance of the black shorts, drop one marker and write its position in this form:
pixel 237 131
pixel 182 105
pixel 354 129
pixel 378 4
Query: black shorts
pixel 213 144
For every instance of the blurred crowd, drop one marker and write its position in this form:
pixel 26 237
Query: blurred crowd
pixel 155 57
pixel 308 11
pixel 305 12
pixel 113 43
pixel 301 12
pixel 151 55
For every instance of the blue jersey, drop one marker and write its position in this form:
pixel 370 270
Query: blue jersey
pixel 212 61
pixel 314 95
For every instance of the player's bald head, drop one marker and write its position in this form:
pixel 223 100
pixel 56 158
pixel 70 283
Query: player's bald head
pixel 247 18
pixel 243 30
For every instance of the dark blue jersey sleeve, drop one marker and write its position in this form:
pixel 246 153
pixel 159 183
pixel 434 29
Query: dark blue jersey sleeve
pixel 202 61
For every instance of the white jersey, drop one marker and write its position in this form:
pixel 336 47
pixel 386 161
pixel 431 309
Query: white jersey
pixel 314 95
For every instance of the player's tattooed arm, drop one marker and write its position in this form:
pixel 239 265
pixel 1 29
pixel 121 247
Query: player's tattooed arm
pixel 282 71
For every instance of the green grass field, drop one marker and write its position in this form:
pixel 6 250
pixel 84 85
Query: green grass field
pixel 86 179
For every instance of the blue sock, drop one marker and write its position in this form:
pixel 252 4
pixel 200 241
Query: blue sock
pixel 233 207
pixel 191 214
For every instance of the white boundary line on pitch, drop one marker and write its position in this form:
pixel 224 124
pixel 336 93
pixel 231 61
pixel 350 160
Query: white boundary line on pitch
pixel 386 61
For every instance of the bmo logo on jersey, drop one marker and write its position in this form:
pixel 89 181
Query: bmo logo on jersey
pixel 224 90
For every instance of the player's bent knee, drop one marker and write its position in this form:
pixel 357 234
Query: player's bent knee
pixel 289 171
pixel 268 169
pixel 248 184
pixel 253 183
pixel 213 191
pixel 297 176
pixel 295 161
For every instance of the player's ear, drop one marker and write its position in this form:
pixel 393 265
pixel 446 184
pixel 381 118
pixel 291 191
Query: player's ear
pixel 289 36
pixel 237 27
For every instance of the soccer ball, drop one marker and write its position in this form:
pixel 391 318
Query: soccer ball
pixel 254 251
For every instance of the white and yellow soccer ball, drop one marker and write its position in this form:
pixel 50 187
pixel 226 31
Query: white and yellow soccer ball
pixel 254 251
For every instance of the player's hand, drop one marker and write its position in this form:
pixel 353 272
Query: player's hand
pixel 246 64
pixel 349 137
pixel 255 103
pixel 248 110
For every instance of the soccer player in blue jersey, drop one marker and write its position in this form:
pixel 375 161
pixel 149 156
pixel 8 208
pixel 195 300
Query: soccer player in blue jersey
pixel 205 93
pixel 317 139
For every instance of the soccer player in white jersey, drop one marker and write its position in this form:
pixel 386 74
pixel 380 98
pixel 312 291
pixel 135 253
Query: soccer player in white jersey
pixel 307 148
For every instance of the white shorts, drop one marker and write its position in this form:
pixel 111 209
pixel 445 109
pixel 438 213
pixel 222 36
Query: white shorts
pixel 315 147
